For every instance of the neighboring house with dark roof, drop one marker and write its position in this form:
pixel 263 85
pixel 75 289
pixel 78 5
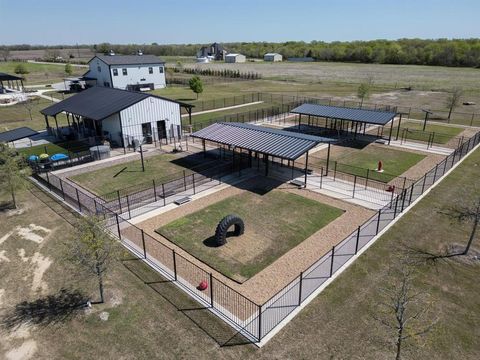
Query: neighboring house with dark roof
pixel 215 50
pixel 128 72
pixel 121 116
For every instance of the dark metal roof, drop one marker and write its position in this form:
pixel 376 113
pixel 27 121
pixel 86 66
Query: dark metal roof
pixel 129 59
pixel 279 143
pixel 17 134
pixel 99 102
pixel 8 77
pixel 343 113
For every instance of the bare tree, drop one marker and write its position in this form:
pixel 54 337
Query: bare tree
pixel 453 99
pixel 14 171
pixel 94 249
pixel 363 91
pixel 401 310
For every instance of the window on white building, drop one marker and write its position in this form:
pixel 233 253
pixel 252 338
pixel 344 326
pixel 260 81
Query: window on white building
pixel 115 72
pixel 150 70
pixel 99 69
pixel 161 69
pixel 124 72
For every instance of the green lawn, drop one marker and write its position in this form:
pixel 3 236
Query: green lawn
pixel 49 149
pixel 15 116
pixel 129 175
pixel 395 162
pixel 443 134
pixel 277 219
pixel 41 73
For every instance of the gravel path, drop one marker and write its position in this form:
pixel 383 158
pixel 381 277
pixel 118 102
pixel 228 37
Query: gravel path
pixel 273 278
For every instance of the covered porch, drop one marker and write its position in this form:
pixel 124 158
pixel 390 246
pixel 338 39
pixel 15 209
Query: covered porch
pixel 10 82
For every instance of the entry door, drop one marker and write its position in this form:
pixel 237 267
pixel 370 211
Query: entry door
pixel 146 129
pixel 162 129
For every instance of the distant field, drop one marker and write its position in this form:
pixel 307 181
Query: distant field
pixel 40 73
pixel 79 54
pixel 17 115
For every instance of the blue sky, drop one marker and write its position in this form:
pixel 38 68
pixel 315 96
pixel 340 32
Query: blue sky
pixel 203 21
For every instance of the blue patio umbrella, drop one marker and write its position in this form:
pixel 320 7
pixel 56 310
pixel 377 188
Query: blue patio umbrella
pixel 58 157
pixel 33 158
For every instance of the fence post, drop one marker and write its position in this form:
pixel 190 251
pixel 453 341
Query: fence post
pixel 259 322
pixel 404 195
pixel 211 290
pixel 395 209
pixel 424 181
pixel 174 265
pixel 184 180
pixel 61 188
pixel 354 185
pixel 300 289
pixel 118 227
pixel 358 240
pixel 128 208
pixel 163 194
pixel 331 260
pixel 435 173
pixel 48 181
pixel 143 244
pixel 193 183
pixel 78 200
pixel 154 190
pixel 378 219
pixel 119 202
pixel 411 194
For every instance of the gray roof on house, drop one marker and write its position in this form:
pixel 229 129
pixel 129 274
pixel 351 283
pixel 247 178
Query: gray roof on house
pixel 17 134
pixel 279 143
pixel 99 102
pixel 343 113
pixel 129 59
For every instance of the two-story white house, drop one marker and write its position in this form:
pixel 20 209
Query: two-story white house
pixel 128 72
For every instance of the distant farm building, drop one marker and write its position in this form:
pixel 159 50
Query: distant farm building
pixel 128 72
pixel 272 57
pixel 214 51
pixel 235 58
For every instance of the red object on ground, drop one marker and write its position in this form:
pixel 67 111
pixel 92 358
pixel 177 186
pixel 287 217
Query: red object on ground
pixel 380 166
pixel 203 285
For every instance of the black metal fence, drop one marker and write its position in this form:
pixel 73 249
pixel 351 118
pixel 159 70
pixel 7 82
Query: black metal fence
pixel 253 320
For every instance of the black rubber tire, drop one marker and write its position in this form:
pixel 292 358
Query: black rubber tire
pixel 224 225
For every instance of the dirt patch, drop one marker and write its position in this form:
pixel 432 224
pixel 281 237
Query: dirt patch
pixel 23 352
pixel 41 265
pixel 5 237
pixel 3 257
pixel 31 232
pixel 2 293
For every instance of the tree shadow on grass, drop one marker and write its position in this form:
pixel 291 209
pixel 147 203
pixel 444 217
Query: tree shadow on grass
pixel 49 310
pixel 215 328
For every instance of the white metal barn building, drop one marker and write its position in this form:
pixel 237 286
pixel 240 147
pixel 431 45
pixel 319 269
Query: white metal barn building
pixel 272 57
pixel 121 116
pixel 235 58
pixel 130 72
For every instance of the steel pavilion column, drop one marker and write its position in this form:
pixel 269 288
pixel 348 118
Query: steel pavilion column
pixel 328 158
pixel 204 148
pixel 390 135
pixel 306 169
pixel 398 128
pixel 46 121
pixel 265 157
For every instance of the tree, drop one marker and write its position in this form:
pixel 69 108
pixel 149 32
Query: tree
pixel 68 69
pixel 93 249
pixel 20 69
pixel 363 91
pixel 14 171
pixel 403 312
pixel 5 53
pixel 453 99
pixel 196 85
